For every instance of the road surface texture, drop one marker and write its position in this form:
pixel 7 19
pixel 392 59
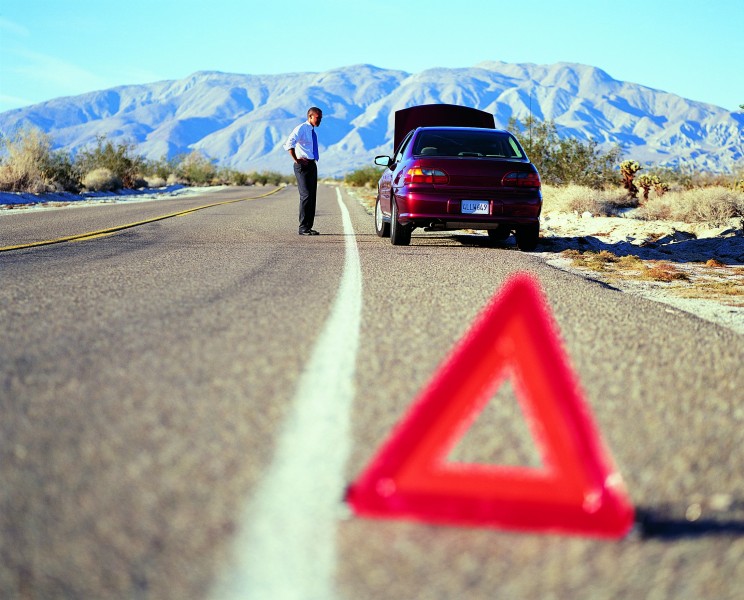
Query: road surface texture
pixel 182 404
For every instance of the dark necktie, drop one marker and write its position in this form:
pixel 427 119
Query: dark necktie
pixel 315 145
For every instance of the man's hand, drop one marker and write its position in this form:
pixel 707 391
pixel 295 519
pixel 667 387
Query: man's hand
pixel 299 161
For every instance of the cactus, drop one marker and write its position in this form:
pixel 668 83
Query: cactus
pixel 647 182
pixel 628 169
pixel 652 181
pixel 661 188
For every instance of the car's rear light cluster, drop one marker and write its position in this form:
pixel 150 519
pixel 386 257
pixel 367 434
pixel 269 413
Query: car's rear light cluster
pixel 521 179
pixel 425 175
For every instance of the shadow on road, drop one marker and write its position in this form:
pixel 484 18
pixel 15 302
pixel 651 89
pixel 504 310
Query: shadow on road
pixel 679 248
pixel 658 523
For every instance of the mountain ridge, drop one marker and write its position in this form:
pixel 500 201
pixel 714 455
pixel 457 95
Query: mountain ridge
pixel 242 120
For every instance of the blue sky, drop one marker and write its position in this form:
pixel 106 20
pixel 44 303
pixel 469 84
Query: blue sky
pixel 52 48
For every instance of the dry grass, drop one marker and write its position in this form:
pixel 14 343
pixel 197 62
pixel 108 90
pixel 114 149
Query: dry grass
pixel 581 199
pixel 714 205
pixel 664 272
pixel 155 182
pixel 28 158
pixel 603 260
pixel 101 180
pixel 712 280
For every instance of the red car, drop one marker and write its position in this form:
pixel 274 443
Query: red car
pixel 452 169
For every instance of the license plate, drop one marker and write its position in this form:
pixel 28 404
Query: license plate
pixel 475 207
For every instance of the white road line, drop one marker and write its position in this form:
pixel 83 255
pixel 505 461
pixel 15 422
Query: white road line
pixel 287 550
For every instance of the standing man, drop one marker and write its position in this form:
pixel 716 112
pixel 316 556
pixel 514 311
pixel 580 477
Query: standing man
pixel 302 145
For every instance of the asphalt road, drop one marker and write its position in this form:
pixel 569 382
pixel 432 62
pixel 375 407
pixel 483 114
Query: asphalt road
pixel 182 404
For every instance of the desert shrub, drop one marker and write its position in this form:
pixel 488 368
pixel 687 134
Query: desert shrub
pixel 240 178
pixel 229 176
pixel 160 168
pixel 28 164
pixel 270 178
pixel 119 158
pixel 174 179
pixel 564 160
pixel 102 180
pixel 63 172
pixel 196 168
pixel 715 205
pixel 154 181
pixel 581 199
pixel 364 177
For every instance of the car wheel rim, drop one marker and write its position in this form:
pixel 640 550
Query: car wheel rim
pixel 378 216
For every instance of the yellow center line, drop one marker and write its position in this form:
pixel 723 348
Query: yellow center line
pixel 92 237
pixel 89 235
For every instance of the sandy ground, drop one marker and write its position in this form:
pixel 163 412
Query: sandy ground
pixel 696 267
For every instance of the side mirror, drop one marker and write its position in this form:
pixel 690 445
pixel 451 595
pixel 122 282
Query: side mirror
pixel 383 161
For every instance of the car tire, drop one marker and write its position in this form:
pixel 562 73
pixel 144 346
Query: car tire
pixel 400 235
pixel 382 228
pixel 500 234
pixel 527 237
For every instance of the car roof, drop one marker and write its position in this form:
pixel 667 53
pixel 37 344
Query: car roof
pixel 429 115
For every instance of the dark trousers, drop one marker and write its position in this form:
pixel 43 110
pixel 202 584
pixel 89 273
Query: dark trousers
pixel 307 183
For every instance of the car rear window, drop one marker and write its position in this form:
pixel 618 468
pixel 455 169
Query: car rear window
pixel 491 144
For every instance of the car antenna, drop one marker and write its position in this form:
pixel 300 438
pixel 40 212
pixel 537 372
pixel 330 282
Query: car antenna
pixel 530 121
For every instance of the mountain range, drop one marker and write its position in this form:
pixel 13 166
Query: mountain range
pixel 242 121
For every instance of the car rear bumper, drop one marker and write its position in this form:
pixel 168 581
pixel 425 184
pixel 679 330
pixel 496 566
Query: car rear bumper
pixel 432 209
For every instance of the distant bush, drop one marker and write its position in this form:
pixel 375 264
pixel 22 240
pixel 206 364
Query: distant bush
pixel 102 180
pixel 119 158
pixel 196 169
pixel 63 172
pixel 174 179
pixel 29 165
pixel 239 178
pixel 270 178
pixel 154 181
pixel 230 176
pixel 715 205
pixel 364 177
pixel 561 161
pixel 160 168
pixel 581 199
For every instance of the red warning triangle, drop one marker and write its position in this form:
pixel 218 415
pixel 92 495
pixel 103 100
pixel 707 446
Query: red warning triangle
pixel 577 491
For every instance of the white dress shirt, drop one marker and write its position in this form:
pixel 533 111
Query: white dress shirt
pixel 301 139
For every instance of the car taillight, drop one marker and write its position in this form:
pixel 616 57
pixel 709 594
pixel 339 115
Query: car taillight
pixel 425 175
pixel 521 179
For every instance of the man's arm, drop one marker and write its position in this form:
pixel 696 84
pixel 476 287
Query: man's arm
pixel 294 156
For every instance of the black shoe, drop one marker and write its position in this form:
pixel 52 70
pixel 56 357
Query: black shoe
pixel 309 232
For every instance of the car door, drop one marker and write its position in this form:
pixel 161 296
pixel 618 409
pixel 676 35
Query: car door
pixel 386 180
pixel 393 173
